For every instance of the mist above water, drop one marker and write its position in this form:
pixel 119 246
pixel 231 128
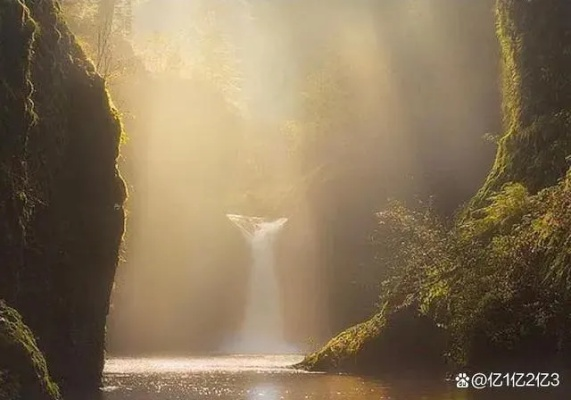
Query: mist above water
pixel 262 331
pixel 315 110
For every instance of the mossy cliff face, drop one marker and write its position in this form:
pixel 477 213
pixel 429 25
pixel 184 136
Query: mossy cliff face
pixel 61 196
pixel 23 370
pixel 498 280
pixel 535 38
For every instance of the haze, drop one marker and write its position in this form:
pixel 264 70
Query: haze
pixel 311 110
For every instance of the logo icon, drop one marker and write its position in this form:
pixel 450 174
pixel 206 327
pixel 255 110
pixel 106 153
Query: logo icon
pixel 462 380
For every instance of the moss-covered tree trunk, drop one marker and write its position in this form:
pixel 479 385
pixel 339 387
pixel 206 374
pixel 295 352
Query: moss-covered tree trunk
pixel 535 38
pixel 61 196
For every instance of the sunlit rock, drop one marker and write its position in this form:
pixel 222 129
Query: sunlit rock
pixel 402 342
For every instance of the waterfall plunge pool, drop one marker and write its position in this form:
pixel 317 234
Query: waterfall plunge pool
pixel 271 378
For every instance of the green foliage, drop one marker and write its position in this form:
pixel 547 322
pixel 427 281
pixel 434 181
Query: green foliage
pixel 23 370
pixel 497 282
pixel 503 210
pixel 414 250
pixel 102 28
pixel 407 243
pixel 511 294
pixel 551 234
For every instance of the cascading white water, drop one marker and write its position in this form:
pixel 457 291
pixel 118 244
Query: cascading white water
pixel 262 330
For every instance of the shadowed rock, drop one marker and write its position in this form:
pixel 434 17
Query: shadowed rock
pixel 23 370
pixel 61 196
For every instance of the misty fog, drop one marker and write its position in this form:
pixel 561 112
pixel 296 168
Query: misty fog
pixel 311 110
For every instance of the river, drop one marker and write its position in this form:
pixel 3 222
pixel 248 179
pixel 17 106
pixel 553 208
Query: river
pixel 270 378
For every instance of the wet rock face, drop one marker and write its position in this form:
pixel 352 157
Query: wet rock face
pixel 61 195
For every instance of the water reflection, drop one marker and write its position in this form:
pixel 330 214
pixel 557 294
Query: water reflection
pixel 269 378
pixel 266 391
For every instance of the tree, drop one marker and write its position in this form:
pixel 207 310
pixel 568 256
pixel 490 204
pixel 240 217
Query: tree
pixel 103 27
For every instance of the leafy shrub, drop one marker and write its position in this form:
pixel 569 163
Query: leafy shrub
pixel 497 280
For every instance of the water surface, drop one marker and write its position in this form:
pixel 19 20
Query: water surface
pixel 270 378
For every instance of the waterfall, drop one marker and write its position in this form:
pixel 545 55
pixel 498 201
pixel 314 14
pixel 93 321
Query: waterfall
pixel 262 329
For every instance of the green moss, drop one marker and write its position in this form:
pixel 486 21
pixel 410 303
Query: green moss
pixel 345 346
pixel 394 341
pixel 497 283
pixel 61 194
pixel 498 280
pixel 535 39
pixel 23 370
pixel 16 97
